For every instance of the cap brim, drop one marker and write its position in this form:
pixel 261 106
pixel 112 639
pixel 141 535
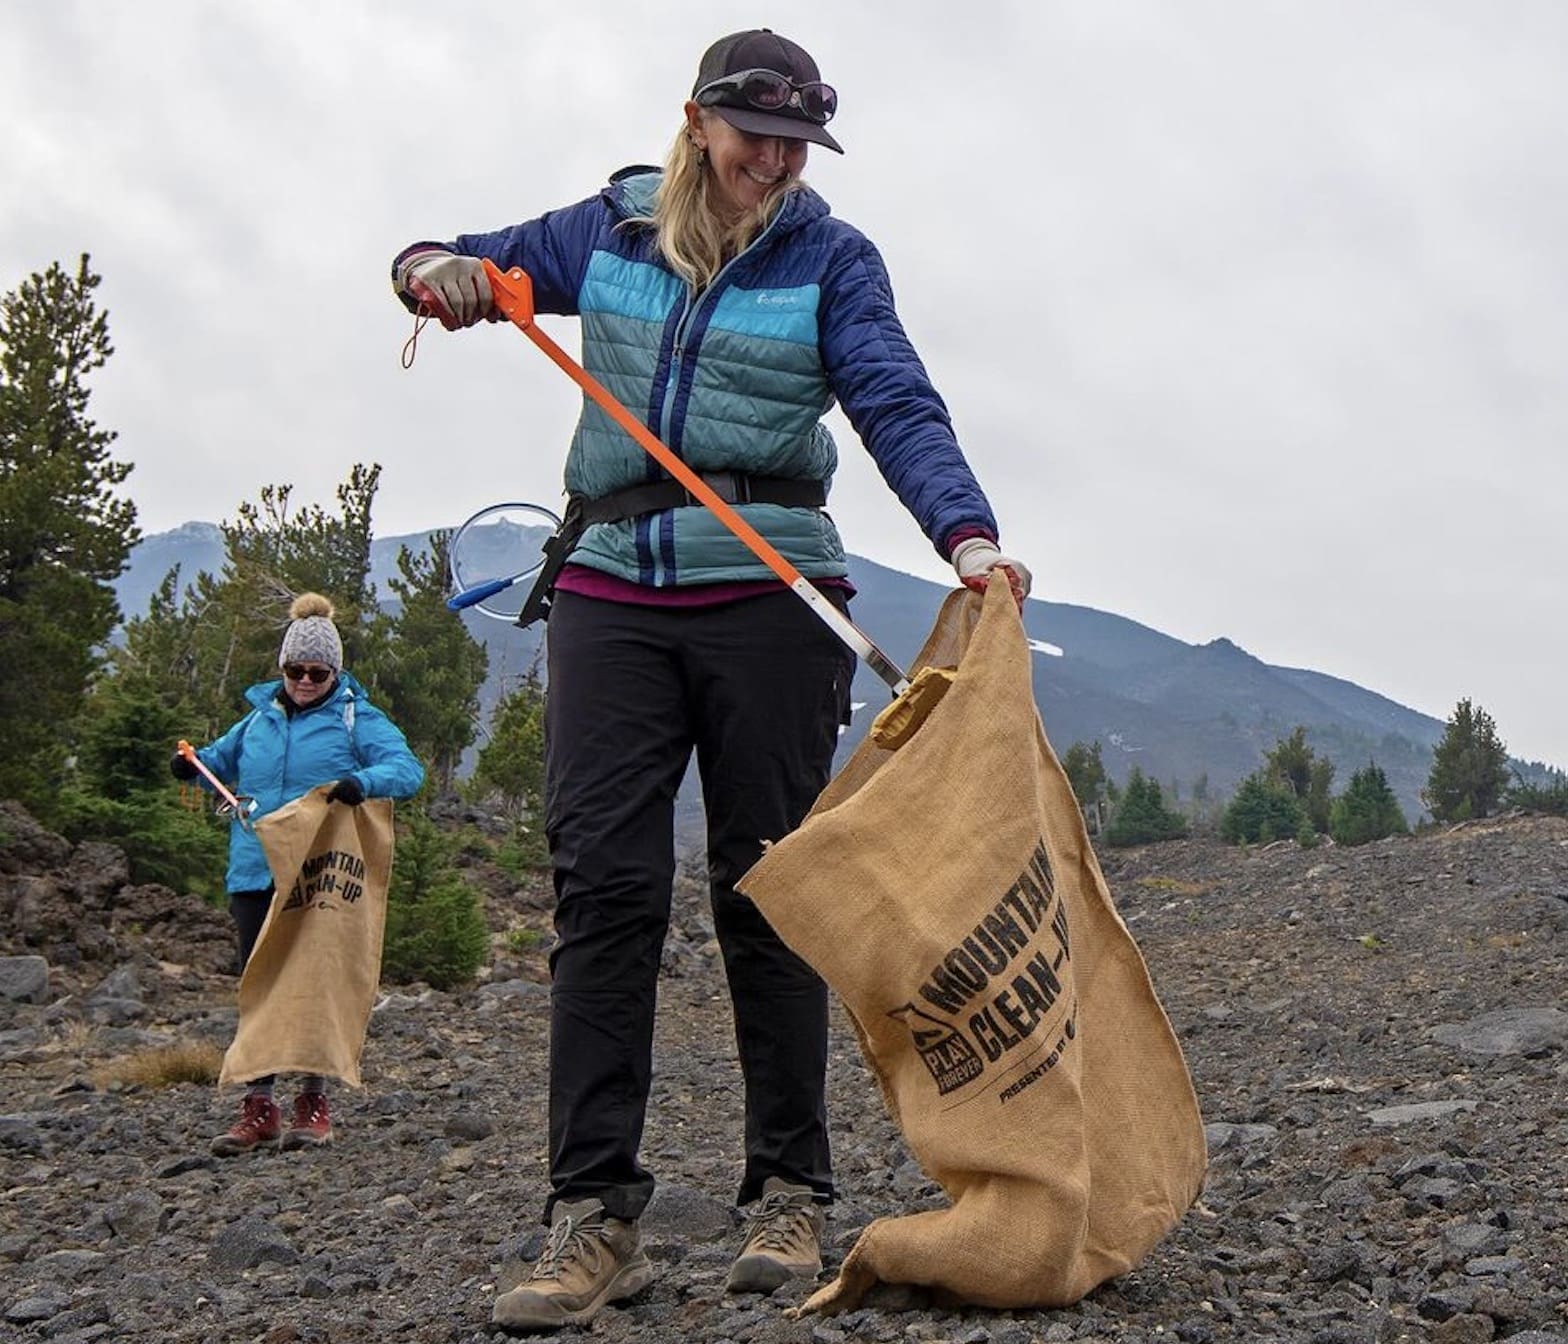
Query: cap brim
pixel 754 122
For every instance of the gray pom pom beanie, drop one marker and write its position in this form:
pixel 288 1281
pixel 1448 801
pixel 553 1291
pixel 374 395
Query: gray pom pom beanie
pixel 311 636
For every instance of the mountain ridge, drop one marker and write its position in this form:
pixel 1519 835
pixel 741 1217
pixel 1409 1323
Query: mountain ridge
pixel 1197 718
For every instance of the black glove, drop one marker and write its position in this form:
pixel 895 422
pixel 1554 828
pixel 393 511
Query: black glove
pixel 346 790
pixel 182 767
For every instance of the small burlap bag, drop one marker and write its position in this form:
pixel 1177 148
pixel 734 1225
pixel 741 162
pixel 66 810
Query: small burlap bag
pixel 307 990
pixel 948 894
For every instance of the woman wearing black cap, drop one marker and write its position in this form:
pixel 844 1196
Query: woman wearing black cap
pixel 723 303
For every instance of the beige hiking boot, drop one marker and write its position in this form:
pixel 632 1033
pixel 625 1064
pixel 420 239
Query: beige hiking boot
pixel 783 1242
pixel 590 1260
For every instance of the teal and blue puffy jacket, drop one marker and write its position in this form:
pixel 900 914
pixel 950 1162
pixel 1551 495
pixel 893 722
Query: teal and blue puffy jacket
pixel 275 758
pixel 736 379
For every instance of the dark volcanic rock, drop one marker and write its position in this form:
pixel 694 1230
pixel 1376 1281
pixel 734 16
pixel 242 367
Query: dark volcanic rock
pixel 1374 1034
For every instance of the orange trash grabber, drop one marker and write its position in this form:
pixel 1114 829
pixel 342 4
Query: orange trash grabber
pixel 514 296
pixel 236 805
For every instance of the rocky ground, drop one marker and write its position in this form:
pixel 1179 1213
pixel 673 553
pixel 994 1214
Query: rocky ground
pixel 1379 1038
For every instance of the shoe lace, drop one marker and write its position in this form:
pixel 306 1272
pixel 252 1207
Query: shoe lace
pixel 255 1115
pixel 781 1221
pixel 569 1240
pixel 310 1109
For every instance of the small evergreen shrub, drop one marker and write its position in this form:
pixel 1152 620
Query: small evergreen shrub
pixel 163 841
pixel 1367 810
pixel 436 928
pixel 1141 815
pixel 1550 798
pixel 1261 812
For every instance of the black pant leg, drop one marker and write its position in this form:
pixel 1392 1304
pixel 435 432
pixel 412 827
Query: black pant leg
pixel 773 686
pixel 616 746
pixel 249 909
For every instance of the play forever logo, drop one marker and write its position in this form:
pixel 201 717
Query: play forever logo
pixel 1002 996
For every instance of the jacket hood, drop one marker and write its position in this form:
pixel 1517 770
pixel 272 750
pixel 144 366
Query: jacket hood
pixel 631 191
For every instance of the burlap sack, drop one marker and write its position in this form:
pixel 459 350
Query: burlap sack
pixel 307 990
pixel 948 894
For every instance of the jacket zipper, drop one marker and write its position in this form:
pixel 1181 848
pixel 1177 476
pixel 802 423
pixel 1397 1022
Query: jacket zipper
pixel 693 303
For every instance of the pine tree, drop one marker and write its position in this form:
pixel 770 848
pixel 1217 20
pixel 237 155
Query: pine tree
pixel 1142 815
pixel 1367 810
pixel 426 668
pixel 1294 766
pixel 64 535
pixel 217 637
pixel 1547 792
pixel 436 930
pixel 511 764
pixel 1263 809
pixel 1469 767
pixel 1085 771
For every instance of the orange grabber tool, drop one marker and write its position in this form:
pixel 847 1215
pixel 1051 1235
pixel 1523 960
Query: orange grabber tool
pixel 514 296
pixel 238 807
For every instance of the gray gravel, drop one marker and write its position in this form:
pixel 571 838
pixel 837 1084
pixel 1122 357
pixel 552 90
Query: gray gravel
pixel 1377 1036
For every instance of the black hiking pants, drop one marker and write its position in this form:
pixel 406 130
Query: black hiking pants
pixel 248 910
pixel 758 688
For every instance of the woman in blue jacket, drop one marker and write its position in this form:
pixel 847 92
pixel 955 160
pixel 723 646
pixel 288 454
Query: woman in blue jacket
pixel 313 727
pixel 724 304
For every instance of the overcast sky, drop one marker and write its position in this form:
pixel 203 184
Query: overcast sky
pixel 1252 316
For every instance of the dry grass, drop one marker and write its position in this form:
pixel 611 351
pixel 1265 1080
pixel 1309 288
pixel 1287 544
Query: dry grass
pixel 164 1066
pixel 1172 886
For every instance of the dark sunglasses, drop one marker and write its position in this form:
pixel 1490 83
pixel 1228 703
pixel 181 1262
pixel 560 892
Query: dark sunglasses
pixel 773 92
pixel 315 675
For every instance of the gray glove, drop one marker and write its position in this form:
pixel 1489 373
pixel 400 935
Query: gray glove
pixel 454 288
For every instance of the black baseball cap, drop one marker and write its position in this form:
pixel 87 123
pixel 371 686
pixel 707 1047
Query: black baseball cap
pixel 761 49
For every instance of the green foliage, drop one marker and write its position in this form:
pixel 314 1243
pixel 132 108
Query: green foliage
pixel 1367 810
pixel 511 764
pixel 1295 767
pixel 436 928
pixel 1549 795
pixel 1085 771
pixel 1290 763
pixel 1469 767
pixel 1142 816
pixel 1263 810
pixel 275 554
pixel 121 790
pixel 163 841
pixel 523 939
pixel 206 645
pixel 523 852
pixel 426 668
pixel 64 535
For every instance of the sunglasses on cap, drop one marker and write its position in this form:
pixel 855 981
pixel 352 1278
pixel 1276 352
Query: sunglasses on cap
pixel 769 91
pixel 314 675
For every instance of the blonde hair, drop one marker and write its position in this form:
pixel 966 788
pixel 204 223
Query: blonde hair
pixel 693 234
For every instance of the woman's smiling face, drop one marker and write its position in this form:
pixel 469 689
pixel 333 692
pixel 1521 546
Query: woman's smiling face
pixel 745 167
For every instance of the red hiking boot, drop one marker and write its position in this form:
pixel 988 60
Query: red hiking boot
pixel 259 1126
pixel 312 1127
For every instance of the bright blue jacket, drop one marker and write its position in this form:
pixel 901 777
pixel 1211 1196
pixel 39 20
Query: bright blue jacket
pixel 275 758
pixel 737 379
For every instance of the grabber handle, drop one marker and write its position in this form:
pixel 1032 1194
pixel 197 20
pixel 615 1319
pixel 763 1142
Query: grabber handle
pixel 219 787
pixel 513 293
pixel 472 596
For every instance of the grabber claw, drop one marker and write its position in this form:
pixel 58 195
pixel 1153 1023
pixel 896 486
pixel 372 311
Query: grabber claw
pixel 237 805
